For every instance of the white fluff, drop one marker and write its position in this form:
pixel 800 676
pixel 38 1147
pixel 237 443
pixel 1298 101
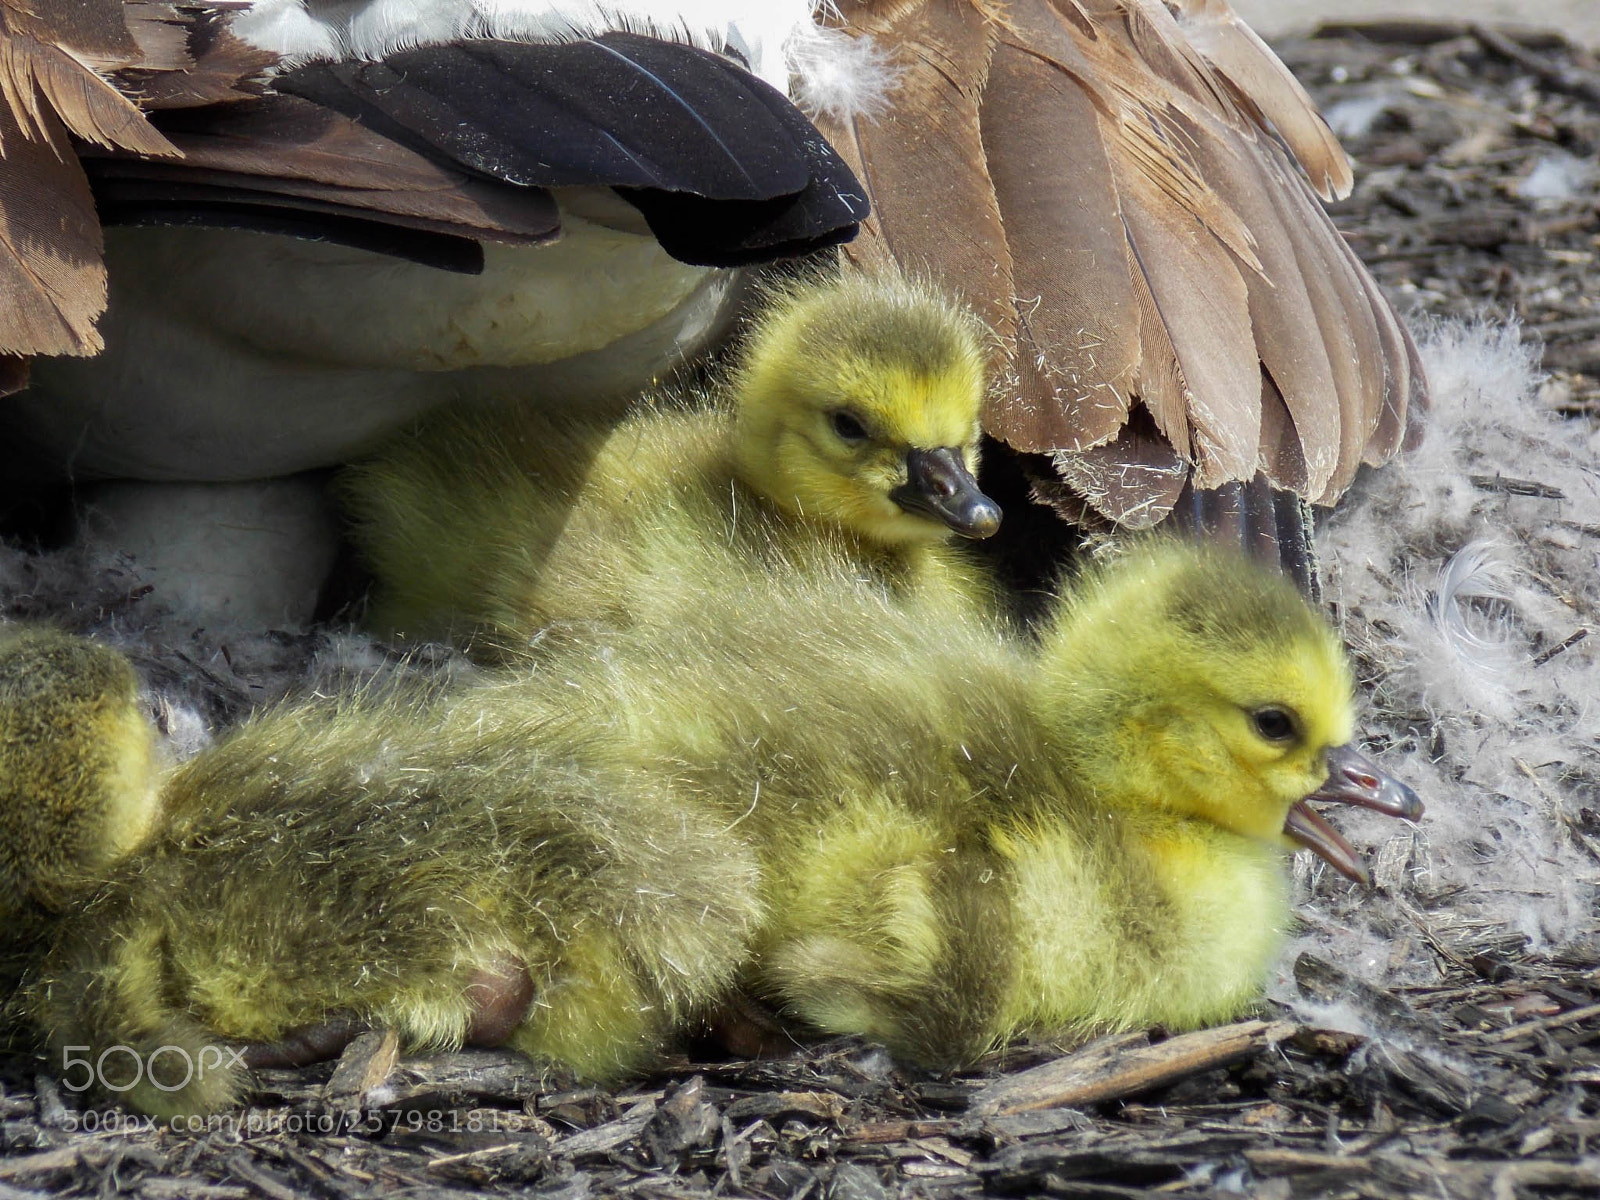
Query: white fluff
pixel 779 38
pixel 1453 594
pixel 840 75
pixel 1560 178
pixel 1479 646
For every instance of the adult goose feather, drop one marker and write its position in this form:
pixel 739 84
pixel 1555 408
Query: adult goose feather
pixel 619 109
pixel 456 119
pixel 51 91
pixel 1128 191
pixel 219 350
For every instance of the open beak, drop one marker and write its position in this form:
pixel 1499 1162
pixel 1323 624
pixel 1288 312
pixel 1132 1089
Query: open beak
pixel 1352 779
pixel 938 485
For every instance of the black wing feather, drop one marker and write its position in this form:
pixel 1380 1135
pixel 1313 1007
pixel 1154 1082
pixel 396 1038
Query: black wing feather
pixel 827 211
pixel 723 167
pixel 621 109
pixel 259 213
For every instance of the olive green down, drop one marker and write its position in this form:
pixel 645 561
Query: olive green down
pixel 885 822
pixel 77 782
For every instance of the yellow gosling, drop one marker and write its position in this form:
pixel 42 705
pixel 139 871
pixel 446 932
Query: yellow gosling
pixel 382 862
pixel 886 825
pixel 852 416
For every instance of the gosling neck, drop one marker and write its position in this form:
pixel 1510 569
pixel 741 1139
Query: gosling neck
pixel 756 432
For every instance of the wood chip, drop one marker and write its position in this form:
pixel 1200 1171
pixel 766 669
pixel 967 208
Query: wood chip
pixel 609 1136
pixel 1295 1161
pixel 1574 1016
pixel 886 1132
pixel 1110 1068
pixel 49 1161
pixel 264 1180
pixel 364 1065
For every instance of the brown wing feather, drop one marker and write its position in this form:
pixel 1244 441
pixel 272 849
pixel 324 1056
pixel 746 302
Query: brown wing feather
pixel 1282 454
pixel 96 31
pixel 1167 255
pixel 51 272
pixel 281 149
pixel 1161 387
pixel 48 68
pixel 1294 346
pixel 1404 384
pixel 1204 304
pixel 1137 474
pixel 161 33
pixel 1259 79
pixel 220 69
pixel 924 152
pixel 1333 279
pixel 1077 344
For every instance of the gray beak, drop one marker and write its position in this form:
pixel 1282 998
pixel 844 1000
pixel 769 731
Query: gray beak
pixel 1352 779
pixel 938 485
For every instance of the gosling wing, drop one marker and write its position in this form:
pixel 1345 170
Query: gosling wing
pixel 1131 197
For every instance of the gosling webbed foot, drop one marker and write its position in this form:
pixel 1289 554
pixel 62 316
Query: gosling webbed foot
pixel 500 993
pixel 743 1027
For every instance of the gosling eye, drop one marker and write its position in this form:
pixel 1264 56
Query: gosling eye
pixel 847 426
pixel 1274 724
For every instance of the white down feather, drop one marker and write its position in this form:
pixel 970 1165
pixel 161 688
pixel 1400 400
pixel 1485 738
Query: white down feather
pixel 781 39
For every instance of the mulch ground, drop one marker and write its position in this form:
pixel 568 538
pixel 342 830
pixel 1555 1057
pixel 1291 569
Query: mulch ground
pixel 1487 1084
pixel 1458 118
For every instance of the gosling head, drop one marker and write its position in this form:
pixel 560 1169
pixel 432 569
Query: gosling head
pixel 857 404
pixel 1190 681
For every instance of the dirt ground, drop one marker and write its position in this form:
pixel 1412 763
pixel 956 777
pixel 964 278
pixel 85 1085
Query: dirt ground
pixel 1578 19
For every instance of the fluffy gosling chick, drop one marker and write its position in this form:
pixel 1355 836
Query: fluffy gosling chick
pixel 853 416
pixel 463 878
pixel 79 775
pixel 1203 703
pixel 960 840
pixel 890 827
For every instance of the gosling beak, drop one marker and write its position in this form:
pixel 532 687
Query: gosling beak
pixel 938 485
pixel 1352 779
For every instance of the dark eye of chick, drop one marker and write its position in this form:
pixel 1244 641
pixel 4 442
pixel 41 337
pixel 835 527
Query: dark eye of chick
pixel 1274 724
pixel 848 426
